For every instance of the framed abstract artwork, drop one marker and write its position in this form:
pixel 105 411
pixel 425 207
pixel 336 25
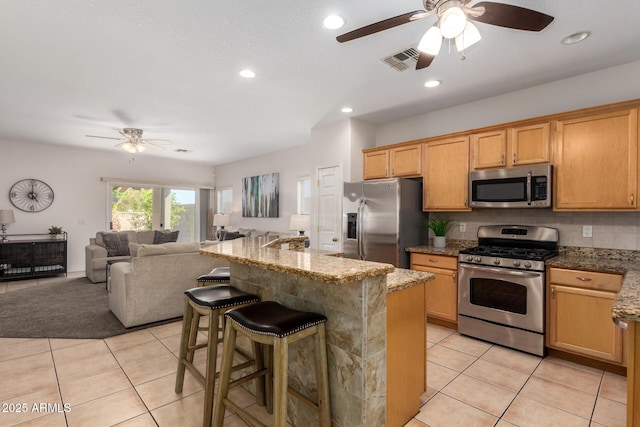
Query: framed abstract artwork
pixel 261 196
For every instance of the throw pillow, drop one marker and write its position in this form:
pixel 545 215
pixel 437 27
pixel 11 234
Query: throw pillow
pixel 231 235
pixel 160 237
pixel 117 244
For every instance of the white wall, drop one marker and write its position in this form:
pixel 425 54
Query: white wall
pixel 598 88
pixel 80 202
pixel 329 146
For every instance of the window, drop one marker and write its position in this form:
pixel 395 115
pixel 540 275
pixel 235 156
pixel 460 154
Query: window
pixel 224 200
pixel 147 207
pixel 303 196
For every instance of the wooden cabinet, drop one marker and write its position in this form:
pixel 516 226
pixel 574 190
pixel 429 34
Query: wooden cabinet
pixel 441 293
pixel 376 164
pixel 596 162
pixel 513 146
pixel 445 174
pixel 402 161
pixel 32 255
pixel 406 365
pixel 579 314
pixel 489 149
pixel 529 144
pixel 406 161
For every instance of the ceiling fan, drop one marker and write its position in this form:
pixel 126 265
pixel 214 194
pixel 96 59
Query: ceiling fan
pixel 453 23
pixel 133 143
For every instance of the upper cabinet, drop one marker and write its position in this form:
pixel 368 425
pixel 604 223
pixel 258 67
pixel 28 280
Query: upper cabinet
pixel 489 149
pixel 402 161
pixel 376 164
pixel 445 182
pixel 513 146
pixel 596 162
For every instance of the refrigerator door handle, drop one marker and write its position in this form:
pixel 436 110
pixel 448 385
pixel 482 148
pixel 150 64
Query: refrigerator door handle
pixel 359 228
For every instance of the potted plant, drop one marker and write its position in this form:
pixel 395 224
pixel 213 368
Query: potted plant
pixel 54 231
pixel 440 227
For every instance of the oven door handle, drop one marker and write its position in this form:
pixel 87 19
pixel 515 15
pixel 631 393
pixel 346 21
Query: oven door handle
pixel 501 271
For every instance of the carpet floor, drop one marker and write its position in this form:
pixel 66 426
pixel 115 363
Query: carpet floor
pixel 74 308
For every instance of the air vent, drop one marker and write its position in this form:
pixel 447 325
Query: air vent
pixel 403 60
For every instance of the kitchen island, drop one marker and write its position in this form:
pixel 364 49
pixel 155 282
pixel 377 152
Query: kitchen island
pixel 367 304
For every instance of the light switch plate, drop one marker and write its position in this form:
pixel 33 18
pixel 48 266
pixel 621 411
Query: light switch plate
pixel 587 231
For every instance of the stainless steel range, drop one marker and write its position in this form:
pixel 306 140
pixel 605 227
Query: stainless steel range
pixel 501 285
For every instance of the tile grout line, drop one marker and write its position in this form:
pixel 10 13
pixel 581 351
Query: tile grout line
pixel 55 369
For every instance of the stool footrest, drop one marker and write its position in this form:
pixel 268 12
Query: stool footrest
pixel 250 419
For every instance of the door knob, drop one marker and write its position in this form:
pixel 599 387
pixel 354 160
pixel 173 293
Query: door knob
pixel 335 239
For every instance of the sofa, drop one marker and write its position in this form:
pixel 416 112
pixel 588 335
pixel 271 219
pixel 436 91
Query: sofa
pixel 116 248
pixel 150 286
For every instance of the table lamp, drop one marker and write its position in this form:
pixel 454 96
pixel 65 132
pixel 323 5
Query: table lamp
pixel 221 220
pixel 6 218
pixel 300 223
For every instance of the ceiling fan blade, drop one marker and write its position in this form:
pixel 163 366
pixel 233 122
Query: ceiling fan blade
pixel 378 26
pixel 509 16
pixel 154 146
pixel 103 137
pixel 158 141
pixel 424 60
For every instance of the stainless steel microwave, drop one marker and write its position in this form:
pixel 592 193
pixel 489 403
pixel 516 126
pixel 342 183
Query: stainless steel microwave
pixel 519 187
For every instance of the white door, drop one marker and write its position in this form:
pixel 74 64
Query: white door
pixel 329 209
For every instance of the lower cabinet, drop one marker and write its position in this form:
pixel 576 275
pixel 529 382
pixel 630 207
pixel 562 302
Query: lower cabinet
pixel 441 293
pixel 579 314
pixel 406 354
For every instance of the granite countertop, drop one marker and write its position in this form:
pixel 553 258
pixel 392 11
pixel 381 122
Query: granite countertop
pixel 452 249
pixel 402 278
pixel 309 263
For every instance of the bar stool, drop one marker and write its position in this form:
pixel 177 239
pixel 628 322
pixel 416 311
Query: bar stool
pixel 212 301
pixel 216 276
pixel 273 324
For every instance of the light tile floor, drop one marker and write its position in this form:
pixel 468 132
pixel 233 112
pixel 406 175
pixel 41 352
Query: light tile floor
pixel 128 380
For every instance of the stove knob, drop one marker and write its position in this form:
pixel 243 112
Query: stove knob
pixel 516 263
pixel 477 259
pixel 496 261
pixel 469 258
pixel 527 264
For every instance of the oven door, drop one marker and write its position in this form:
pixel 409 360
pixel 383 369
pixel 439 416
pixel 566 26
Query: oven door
pixel 505 296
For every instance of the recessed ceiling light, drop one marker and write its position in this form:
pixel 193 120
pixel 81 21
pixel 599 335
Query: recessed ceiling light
pixel 247 74
pixel 575 37
pixel 347 109
pixel 432 83
pixel 333 22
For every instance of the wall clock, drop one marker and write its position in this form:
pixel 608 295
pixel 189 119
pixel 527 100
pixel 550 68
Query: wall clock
pixel 31 195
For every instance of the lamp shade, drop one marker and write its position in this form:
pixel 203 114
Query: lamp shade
pixel 6 217
pixel 300 222
pixel 221 220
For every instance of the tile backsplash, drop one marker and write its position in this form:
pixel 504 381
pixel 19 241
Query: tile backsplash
pixel 611 230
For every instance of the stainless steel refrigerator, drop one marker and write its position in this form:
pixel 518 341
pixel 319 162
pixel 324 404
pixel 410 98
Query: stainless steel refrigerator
pixel 381 218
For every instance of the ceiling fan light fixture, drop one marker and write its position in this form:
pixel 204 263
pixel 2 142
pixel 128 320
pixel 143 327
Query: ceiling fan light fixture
pixel 468 38
pixel 452 20
pixel 431 41
pixel 575 37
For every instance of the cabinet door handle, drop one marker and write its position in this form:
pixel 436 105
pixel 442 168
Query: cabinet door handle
pixel 502 159
pixel 632 200
pixel 433 260
pixel 584 279
pixel 454 276
pixel 515 158
pixel 553 293
pixel 386 172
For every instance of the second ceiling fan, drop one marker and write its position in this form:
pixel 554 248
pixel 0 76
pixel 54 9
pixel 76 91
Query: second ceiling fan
pixel 453 23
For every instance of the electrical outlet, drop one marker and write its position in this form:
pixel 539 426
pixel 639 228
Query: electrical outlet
pixel 463 227
pixel 587 231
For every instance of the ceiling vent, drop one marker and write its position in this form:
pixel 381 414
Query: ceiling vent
pixel 403 60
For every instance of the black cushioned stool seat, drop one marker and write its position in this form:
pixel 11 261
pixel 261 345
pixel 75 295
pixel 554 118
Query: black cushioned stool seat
pixel 212 301
pixel 217 275
pixel 275 325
